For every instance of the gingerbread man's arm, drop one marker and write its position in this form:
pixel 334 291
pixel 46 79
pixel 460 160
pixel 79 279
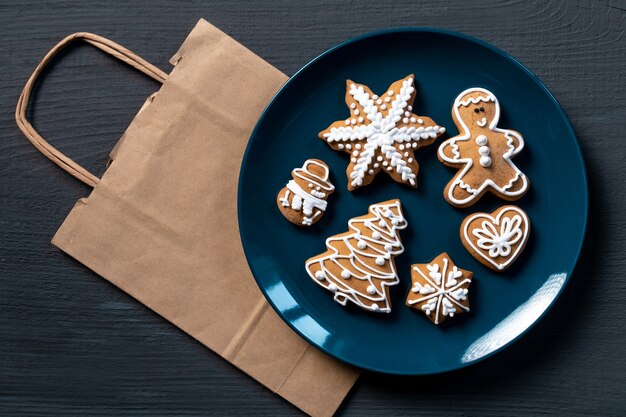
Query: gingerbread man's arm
pixel 515 141
pixel 449 151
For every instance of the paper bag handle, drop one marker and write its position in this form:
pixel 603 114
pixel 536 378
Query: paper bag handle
pixel 35 138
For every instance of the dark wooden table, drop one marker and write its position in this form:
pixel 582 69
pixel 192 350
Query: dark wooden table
pixel 72 344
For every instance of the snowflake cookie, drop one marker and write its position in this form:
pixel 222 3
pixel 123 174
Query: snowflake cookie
pixel 382 133
pixel 303 200
pixel 440 289
pixel 482 152
pixel 496 239
pixel 359 264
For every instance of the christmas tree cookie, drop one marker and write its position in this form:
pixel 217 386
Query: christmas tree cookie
pixel 359 264
pixel 440 289
pixel 381 133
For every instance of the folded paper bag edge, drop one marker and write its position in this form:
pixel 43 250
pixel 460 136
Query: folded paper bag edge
pixel 303 371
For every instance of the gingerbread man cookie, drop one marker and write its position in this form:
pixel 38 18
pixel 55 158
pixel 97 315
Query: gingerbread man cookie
pixel 496 239
pixel 303 200
pixel 359 264
pixel 382 133
pixel 482 151
pixel 440 289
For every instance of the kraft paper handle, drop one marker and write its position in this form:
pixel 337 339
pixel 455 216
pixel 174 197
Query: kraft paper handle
pixel 35 138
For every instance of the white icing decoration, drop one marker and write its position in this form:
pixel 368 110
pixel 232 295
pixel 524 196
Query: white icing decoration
pixel 485 161
pixel 382 133
pixel 481 140
pixel 319 275
pixel 345 274
pixel 363 247
pixel 311 203
pixel 498 242
pixel 440 294
pixel 465 135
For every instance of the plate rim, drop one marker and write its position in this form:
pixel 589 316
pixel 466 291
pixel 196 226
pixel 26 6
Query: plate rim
pixel 481 43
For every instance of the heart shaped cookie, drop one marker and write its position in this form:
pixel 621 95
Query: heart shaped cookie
pixel 496 239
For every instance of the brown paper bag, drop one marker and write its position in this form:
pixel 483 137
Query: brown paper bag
pixel 161 224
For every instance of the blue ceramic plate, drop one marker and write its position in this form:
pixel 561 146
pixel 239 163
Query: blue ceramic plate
pixel 504 305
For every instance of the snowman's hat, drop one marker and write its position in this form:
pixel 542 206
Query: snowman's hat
pixel 316 172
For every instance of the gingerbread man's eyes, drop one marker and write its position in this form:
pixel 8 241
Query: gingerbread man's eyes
pixel 476 110
pixel 482 109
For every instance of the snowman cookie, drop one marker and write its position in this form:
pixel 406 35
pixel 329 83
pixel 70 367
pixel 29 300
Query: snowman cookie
pixel 303 200
pixel 482 152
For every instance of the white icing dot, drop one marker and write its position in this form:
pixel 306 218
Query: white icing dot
pixel 401 147
pixel 485 161
pixel 376 235
pixel 409 160
pixel 360 119
pixel 319 275
pixel 379 158
pixel 390 93
pixel 310 185
pixel 387 99
pixel 347 121
pixel 355 153
pixel 388 247
pixel 380 261
pixel 348 146
pixel 481 140
pixel 361 244
pixel 383 107
pixel 387 213
pixel 340 146
pixel 376 165
pixel 379 101
pixel 381 223
pixel 405 120
pixel 371 172
pixel 389 168
pixel 394 222
pixel 413 119
pixel 353 121
pixel 332 286
pixel 353 160
pixel 318 188
pixel 353 105
pixel 371 290
pixel 357 146
pixel 484 150
pixel 420 121
pixel 374 96
pixel 406 154
pixel 409 108
pixel 356 112
pixel 407 114
pixel 415 144
pixel 375 307
pixel 385 163
pixel 345 274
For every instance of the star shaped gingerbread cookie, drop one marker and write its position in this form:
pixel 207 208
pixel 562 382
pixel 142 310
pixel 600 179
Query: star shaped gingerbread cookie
pixel 382 133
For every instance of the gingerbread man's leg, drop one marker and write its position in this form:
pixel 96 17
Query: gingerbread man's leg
pixel 459 192
pixel 515 183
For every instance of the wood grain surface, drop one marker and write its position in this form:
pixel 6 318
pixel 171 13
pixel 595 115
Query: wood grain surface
pixel 72 344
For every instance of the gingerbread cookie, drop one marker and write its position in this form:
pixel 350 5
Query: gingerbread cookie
pixel 496 239
pixel 481 151
pixel 382 133
pixel 440 289
pixel 359 264
pixel 303 200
